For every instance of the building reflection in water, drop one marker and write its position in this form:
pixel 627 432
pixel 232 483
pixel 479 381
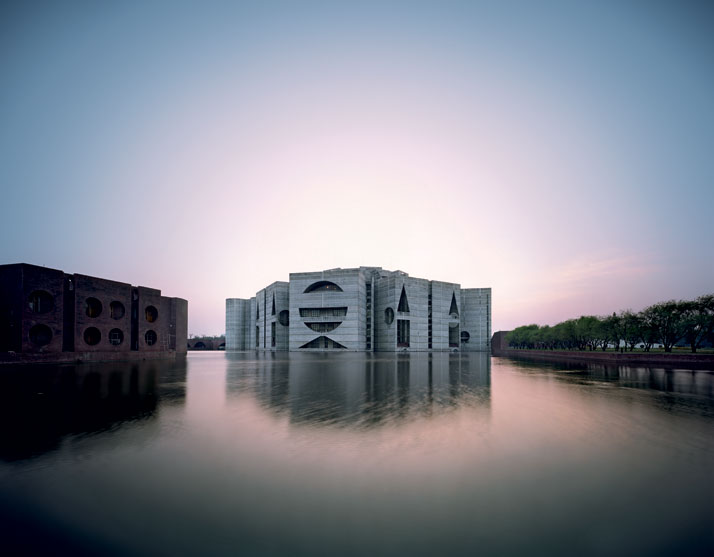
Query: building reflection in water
pixel 42 404
pixel 360 390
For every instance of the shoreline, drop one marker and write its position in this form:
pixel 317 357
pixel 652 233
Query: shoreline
pixel 694 361
pixel 8 358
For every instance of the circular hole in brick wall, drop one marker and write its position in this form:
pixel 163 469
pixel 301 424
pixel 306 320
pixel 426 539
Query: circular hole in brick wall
pixel 41 301
pixel 284 318
pixel 388 316
pixel 40 335
pixel 150 338
pixel 116 337
pixel 92 336
pixel 92 307
pixel 151 314
pixel 116 310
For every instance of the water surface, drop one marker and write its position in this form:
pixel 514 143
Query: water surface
pixel 356 454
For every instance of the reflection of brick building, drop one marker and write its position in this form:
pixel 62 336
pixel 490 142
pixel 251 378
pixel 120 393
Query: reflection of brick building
pixel 56 316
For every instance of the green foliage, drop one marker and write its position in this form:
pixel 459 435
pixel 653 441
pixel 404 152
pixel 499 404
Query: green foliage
pixel 665 323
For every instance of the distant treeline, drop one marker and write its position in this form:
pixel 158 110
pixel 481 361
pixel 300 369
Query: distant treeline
pixel 665 323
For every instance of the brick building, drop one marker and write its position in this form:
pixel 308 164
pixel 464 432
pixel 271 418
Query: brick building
pixel 49 315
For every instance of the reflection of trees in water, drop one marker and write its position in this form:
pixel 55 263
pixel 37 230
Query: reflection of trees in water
pixel 667 380
pixel 42 403
pixel 360 389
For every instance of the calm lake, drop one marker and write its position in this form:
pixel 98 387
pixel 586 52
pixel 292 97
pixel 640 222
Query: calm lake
pixel 356 454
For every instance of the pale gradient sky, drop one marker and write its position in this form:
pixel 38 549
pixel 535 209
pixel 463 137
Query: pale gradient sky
pixel 560 153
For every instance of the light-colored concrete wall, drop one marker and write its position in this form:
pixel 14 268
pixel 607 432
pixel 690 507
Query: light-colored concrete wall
pixel 278 291
pixel 350 332
pixel 238 324
pixel 417 291
pixel 441 295
pixel 476 318
pixel 473 313
pixel 385 297
pixel 258 318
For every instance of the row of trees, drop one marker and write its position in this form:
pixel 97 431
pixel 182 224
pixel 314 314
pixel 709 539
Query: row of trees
pixel 665 323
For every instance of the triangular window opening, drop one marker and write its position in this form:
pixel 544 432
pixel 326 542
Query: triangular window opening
pixel 323 342
pixel 453 310
pixel 273 310
pixel 403 302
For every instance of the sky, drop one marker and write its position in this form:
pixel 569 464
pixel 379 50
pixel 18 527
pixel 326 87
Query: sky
pixel 560 153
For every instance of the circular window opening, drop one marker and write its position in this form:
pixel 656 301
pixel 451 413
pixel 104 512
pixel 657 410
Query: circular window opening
pixel 388 316
pixel 116 310
pixel 150 338
pixel 284 318
pixel 116 337
pixel 40 335
pixel 41 301
pixel 92 307
pixel 465 336
pixel 92 336
pixel 151 314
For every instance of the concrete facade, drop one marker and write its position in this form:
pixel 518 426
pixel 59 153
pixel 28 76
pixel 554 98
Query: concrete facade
pixel 47 313
pixel 360 309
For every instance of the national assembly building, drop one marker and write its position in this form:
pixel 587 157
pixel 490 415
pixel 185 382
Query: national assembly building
pixel 361 309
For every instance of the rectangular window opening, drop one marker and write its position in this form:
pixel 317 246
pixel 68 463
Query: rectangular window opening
pixel 403 333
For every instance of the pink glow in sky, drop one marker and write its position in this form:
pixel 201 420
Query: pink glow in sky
pixel 560 156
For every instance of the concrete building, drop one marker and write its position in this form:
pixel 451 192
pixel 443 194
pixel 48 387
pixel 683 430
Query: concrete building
pixel 360 309
pixel 48 315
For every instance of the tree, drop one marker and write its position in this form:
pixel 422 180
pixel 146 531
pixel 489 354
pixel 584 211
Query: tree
pixel 613 327
pixel 666 319
pixel 698 320
pixel 630 328
pixel 522 337
pixel 588 332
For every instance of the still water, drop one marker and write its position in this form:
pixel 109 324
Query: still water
pixel 354 454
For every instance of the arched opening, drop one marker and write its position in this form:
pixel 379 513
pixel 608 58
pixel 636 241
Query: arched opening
pixel 151 314
pixel 200 345
pixel 389 316
pixel 92 336
pixel 116 337
pixel 323 286
pixel 92 307
pixel 40 335
pixel 324 327
pixel 116 310
pixel 284 318
pixel 150 338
